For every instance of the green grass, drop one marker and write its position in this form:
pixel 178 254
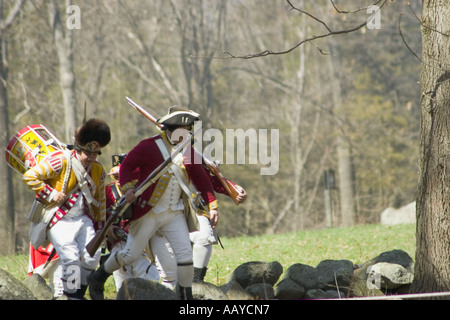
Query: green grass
pixel 357 244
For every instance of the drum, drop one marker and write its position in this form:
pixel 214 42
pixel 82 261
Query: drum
pixel 29 146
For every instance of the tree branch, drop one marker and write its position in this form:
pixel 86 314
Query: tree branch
pixel 12 14
pixel 310 39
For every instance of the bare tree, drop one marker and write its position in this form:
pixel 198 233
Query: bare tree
pixel 7 211
pixel 62 37
pixel 200 25
pixel 343 146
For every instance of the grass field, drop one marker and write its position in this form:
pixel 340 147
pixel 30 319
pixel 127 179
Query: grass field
pixel 357 244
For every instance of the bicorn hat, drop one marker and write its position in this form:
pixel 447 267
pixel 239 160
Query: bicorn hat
pixel 92 135
pixel 179 116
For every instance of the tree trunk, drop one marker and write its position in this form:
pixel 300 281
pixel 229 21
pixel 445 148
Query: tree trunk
pixel 6 190
pixel 345 168
pixel 432 270
pixel 296 141
pixel 62 37
pixel 346 182
pixel 7 208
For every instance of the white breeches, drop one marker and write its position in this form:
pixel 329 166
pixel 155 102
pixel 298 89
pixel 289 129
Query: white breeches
pixel 204 236
pixel 70 237
pixel 203 241
pixel 164 260
pixel 202 248
pixel 141 268
pixel 172 224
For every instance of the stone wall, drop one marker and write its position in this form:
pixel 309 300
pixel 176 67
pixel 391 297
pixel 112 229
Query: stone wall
pixel 390 273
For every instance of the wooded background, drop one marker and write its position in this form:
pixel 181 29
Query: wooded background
pixel 348 103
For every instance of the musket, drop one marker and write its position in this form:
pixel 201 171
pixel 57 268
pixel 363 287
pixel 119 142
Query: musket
pixel 121 205
pixel 232 190
pixel 50 257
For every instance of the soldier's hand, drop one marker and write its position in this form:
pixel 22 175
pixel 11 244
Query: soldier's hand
pixel 129 196
pixel 242 196
pixel 111 234
pixel 213 217
pixel 58 197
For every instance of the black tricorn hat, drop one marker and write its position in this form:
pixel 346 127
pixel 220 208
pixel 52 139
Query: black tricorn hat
pixel 117 159
pixel 93 130
pixel 179 116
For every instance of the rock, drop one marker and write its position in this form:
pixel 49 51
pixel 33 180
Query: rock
pixel 287 289
pixel 403 215
pixel 335 274
pixel 142 289
pixel 322 294
pixel 360 288
pixel 303 275
pixel 13 289
pixel 391 270
pixel 389 276
pixel 234 291
pixel 207 291
pixel 333 294
pixel 257 272
pixel 398 257
pixel 38 287
pixel 261 291
pixel 315 294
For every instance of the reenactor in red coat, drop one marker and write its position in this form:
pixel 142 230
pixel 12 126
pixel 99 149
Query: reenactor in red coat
pixel 162 207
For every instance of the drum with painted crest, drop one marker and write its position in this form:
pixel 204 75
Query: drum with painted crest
pixel 30 145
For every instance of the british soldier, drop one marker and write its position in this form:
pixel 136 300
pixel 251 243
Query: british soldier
pixel 161 207
pixel 142 267
pixel 73 184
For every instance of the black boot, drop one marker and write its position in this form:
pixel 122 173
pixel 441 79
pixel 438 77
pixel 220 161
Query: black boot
pixel 199 274
pixel 77 295
pixel 185 293
pixel 71 295
pixel 81 292
pixel 96 281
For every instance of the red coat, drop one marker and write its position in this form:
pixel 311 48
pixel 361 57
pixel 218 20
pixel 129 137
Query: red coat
pixel 146 157
pixel 110 199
